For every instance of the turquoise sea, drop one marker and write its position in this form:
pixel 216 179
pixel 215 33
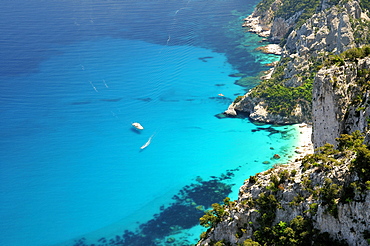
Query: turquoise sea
pixel 74 76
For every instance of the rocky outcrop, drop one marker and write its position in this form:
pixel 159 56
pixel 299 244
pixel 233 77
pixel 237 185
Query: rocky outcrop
pixel 340 102
pixel 270 49
pixel 260 21
pixel 257 110
pixel 327 193
pixel 313 192
pixel 263 22
pixel 327 32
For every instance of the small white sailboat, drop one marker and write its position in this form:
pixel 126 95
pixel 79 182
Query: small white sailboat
pixel 147 143
pixel 137 126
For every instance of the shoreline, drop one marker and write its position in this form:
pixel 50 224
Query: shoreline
pixel 300 148
pixel 304 144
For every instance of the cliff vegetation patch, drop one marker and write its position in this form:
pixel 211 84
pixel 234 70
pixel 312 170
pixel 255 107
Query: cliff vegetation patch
pixel 291 8
pixel 282 99
pixel 325 182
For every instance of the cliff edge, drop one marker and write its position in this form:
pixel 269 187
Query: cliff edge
pixel 321 199
pixel 322 78
pixel 307 38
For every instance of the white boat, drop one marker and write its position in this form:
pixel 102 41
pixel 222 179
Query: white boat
pixel 147 143
pixel 137 126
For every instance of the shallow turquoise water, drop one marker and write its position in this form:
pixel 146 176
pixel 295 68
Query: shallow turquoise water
pixel 71 161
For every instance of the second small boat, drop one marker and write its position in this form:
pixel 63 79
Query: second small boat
pixel 147 143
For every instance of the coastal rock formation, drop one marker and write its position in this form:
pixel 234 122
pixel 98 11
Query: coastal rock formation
pixel 257 110
pixel 340 101
pixel 315 199
pixel 270 49
pixel 328 30
pixel 332 30
pixel 263 23
pixel 322 78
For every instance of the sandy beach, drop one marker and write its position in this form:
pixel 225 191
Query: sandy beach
pixel 304 147
pixel 304 144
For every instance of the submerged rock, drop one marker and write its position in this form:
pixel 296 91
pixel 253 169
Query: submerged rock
pixel 276 156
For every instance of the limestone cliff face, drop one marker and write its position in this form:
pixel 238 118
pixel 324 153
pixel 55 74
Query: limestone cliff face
pixel 257 110
pixel 324 191
pixel 330 31
pixel 327 31
pixel 340 104
pixel 260 21
pixel 298 190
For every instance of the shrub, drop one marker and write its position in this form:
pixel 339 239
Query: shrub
pixel 367 183
pixel 253 179
pixel 250 242
pixel 212 217
pixel 296 200
pixel 219 243
pixel 238 99
pixel 350 141
pixel 293 172
pixel 296 232
pixel 283 175
pixel 280 99
pixel 203 235
pixel 350 55
pixel 313 208
pixel 354 142
pixel 362 163
pixel 291 7
pixel 329 193
pixel 264 5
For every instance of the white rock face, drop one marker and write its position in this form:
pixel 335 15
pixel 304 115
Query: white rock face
pixel 340 105
pixel 270 49
pixel 349 224
pixel 261 22
pixel 334 111
pixel 327 115
pixel 353 219
pixel 257 110
pixel 327 31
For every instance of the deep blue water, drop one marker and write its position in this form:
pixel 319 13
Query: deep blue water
pixel 74 75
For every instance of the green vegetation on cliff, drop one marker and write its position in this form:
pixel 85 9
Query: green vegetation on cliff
pixel 298 231
pixel 305 9
pixel 264 5
pixel 329 177
pixel 351 55
pixel 361 30
pixel 291 84
pixel 300 9
pixel 365 4
pixel 282 99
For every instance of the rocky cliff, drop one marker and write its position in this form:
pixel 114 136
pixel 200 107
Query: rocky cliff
pixel 323 78
pixel 332 30
pixel 322 199
pixel 340 101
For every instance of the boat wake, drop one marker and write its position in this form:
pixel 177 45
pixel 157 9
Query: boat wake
pixel 147 143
